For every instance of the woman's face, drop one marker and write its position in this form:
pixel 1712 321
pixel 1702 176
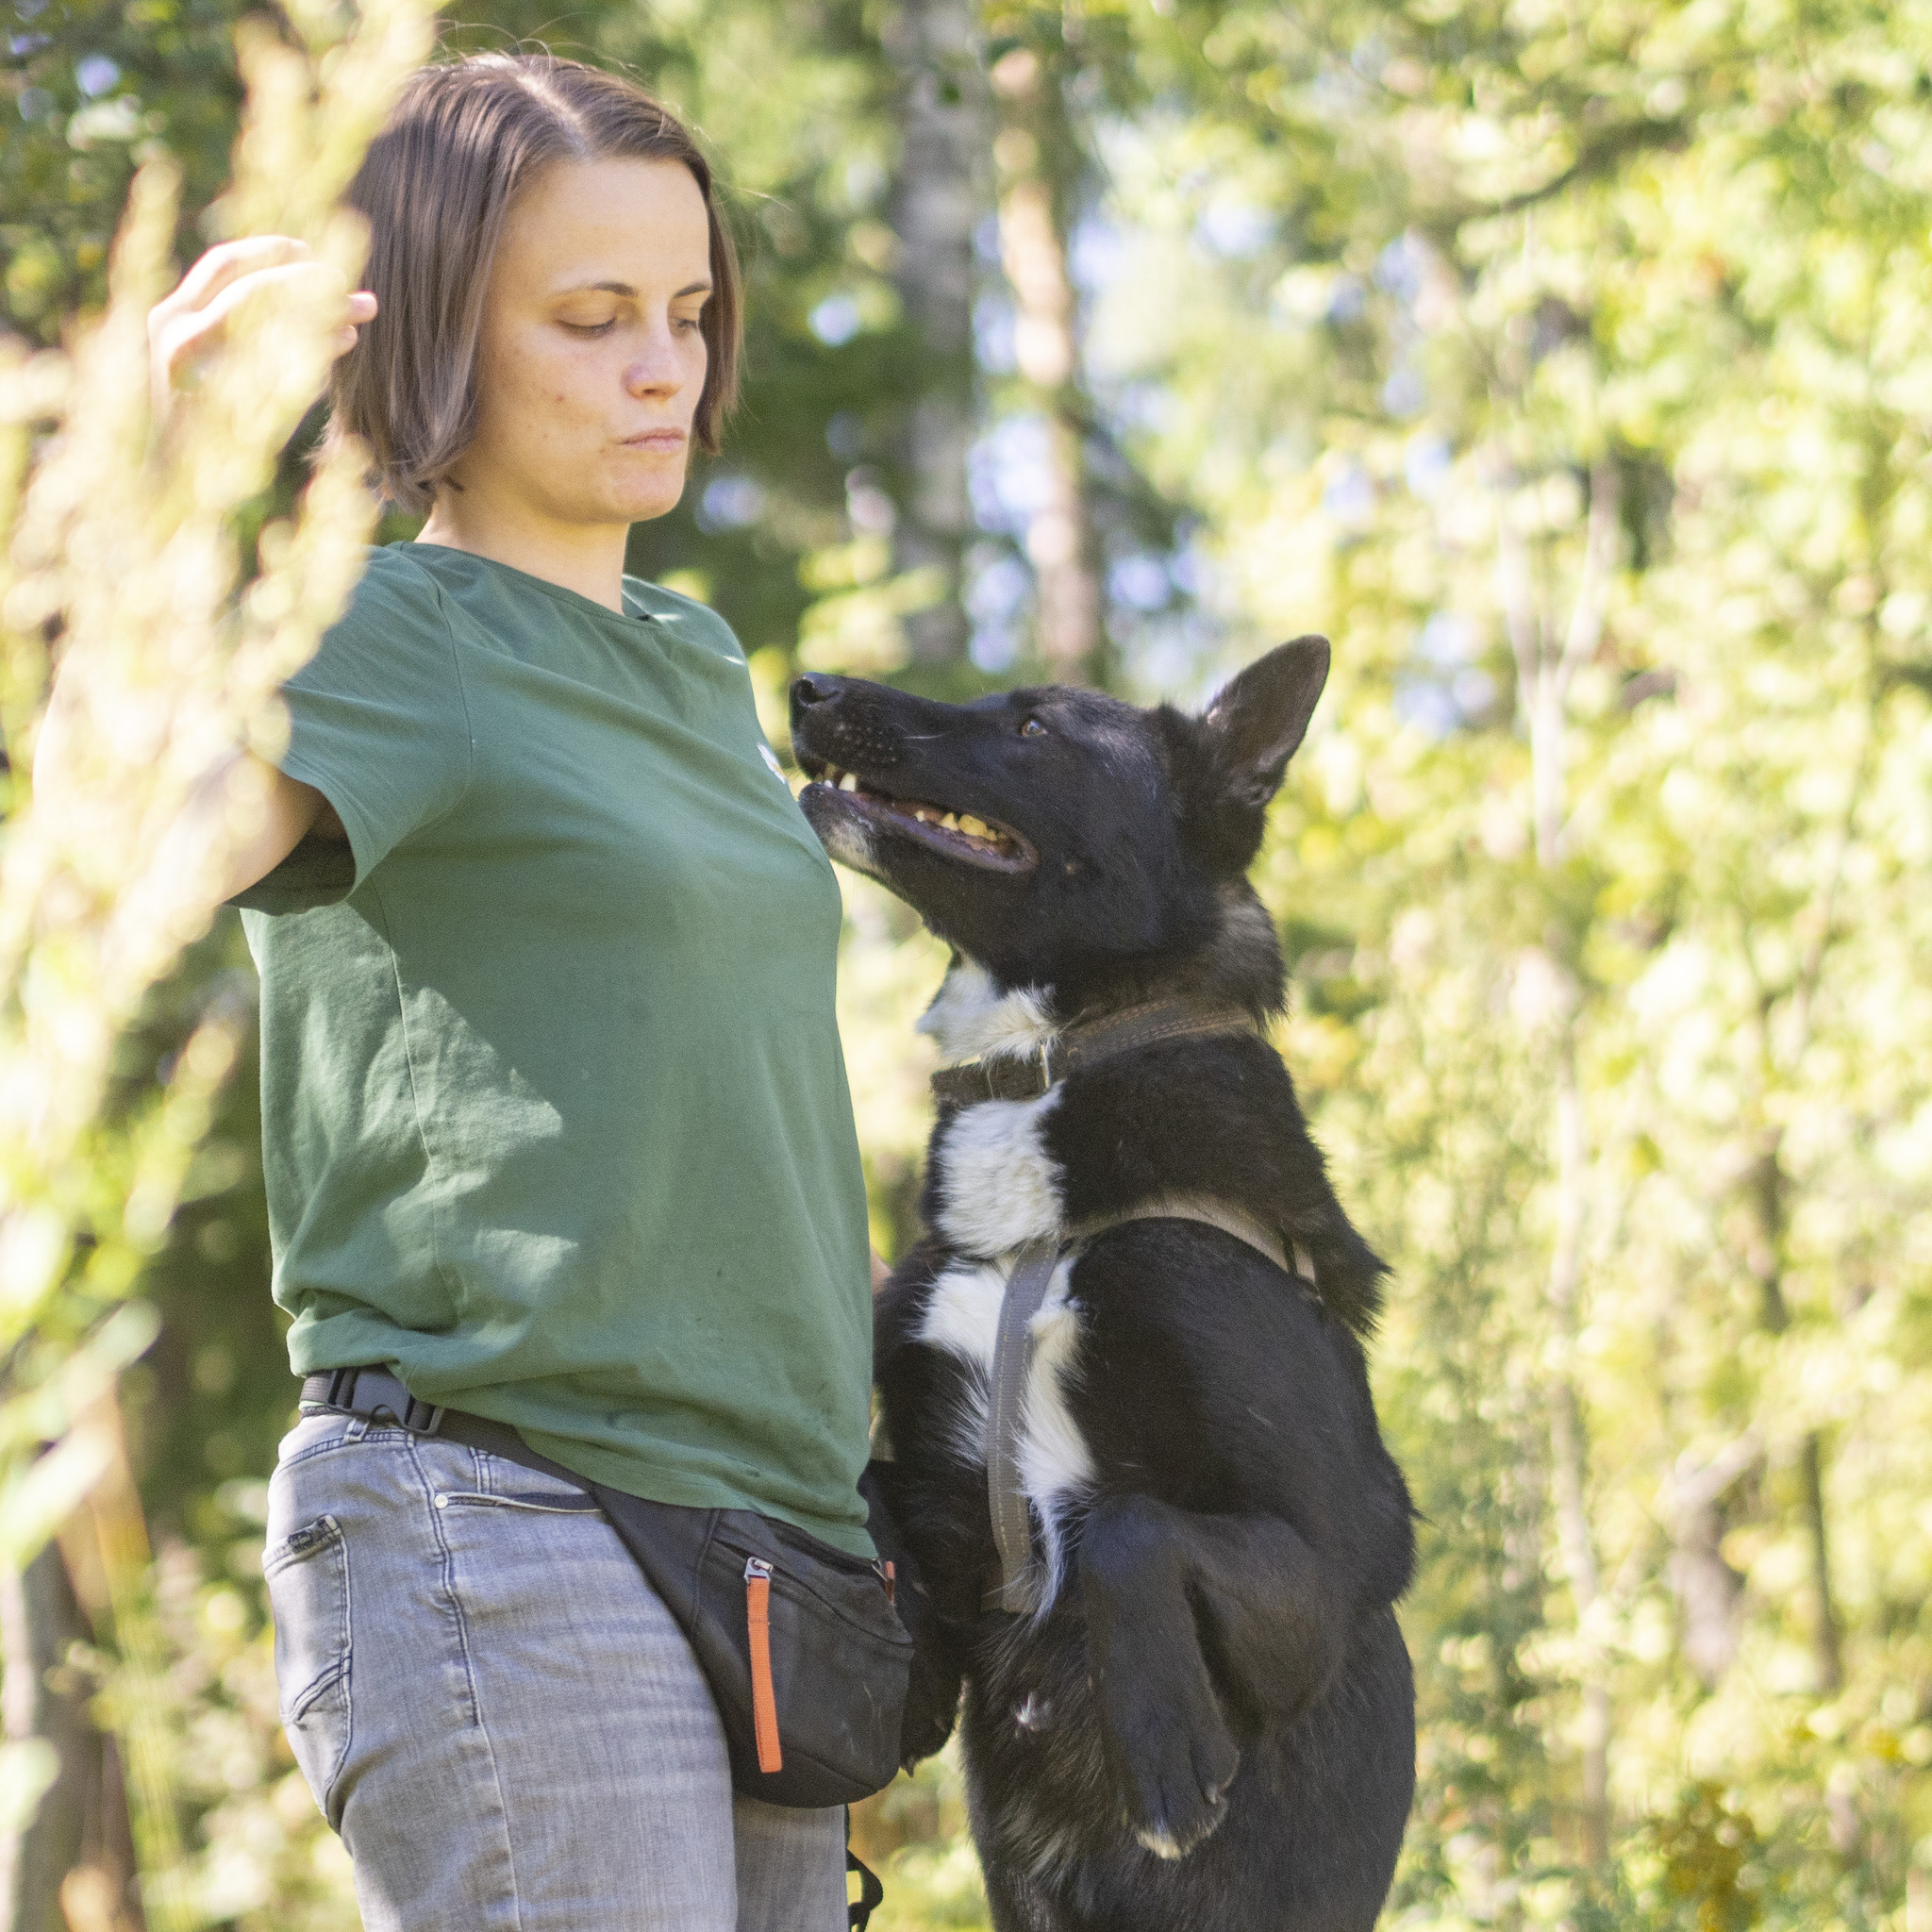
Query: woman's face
pixel 592 360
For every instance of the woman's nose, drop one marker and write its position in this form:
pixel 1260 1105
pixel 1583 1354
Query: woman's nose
pixel 657 366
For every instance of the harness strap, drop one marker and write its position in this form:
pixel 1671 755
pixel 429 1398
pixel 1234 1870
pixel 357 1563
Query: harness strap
pixel 1012 1358
pixel 1292 1257
pixel 1013 1587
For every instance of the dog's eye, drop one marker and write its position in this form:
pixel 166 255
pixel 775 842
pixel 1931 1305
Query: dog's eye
pixel 1033 728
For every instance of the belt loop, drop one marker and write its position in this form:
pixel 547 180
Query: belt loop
pixel 422 1418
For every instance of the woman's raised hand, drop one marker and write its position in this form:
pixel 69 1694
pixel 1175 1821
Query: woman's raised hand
pixel 185 325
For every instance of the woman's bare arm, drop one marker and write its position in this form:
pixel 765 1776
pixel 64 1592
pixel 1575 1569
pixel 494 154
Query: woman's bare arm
pixel 279 810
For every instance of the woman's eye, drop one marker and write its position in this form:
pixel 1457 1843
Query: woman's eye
pixel 1033 728
pixel 686 324
pixel 591 328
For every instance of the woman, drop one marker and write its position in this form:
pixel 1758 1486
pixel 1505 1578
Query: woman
pixel 555 1121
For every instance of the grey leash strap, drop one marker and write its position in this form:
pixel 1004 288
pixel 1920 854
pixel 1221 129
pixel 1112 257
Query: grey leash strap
pixel 1012 1361
pixel 1012 1530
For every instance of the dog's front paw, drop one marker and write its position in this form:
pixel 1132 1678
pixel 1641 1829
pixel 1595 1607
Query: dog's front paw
pixel 923 1731
pixel 932 1706
pixel 1175 1775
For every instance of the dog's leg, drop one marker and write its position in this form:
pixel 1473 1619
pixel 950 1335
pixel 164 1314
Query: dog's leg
pixel 938 1658
pixel 932 1692
pixel 1015 1904
pixel 1158 1583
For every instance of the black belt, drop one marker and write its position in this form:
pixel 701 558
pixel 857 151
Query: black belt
pixel 372 1392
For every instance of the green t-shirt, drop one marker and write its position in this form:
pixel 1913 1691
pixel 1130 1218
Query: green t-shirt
pixel 554 1113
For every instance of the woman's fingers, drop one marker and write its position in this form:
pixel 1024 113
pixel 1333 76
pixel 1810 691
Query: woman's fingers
pixel 181 329
pixel 222 265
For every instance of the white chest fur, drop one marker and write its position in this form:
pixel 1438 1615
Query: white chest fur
pixel 1056 1471
pixel 998 1186
pixel 972 1019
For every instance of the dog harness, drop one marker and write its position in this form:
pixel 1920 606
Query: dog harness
pixel 1012 1584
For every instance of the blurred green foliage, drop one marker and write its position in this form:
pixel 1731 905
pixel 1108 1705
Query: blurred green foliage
pixel 1380 306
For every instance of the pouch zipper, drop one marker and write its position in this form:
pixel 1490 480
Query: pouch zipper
pixel 765 1702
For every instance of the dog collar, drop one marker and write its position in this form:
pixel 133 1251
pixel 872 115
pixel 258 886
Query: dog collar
pixel 1085 1043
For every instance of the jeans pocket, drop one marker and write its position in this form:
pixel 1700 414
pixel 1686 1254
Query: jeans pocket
pixel 309 1591
pixel 531 1502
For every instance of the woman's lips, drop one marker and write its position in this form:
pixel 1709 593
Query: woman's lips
pixel 656 438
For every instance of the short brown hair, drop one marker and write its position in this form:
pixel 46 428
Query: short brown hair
pixel 465 138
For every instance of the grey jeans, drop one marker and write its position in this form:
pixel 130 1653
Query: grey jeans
pixel 499 1715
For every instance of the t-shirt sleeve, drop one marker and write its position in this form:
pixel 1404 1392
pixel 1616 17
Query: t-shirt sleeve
pixel 378 724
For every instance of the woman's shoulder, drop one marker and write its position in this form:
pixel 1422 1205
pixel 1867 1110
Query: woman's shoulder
pixel 393 576
pixel 393 628
pixel 394 597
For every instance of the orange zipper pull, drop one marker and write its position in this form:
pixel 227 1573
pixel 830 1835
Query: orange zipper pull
pixel 765 1702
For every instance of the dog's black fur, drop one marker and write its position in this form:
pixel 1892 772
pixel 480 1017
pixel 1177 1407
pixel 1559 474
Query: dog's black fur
pixel 1210 1723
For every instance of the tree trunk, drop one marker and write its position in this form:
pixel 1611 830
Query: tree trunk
pixel 1546 664
pixel 70 1867
pixel 1709 1593
pixel 936 205
pixel 1766 1193
pixel 1038 162
pixel 39 1623
pixel 1826 1646
pixel 1570 1447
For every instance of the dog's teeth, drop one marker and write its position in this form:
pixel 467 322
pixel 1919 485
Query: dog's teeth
pixel 849 782
pixel 920 813
pixel 972 827
pixel 951 821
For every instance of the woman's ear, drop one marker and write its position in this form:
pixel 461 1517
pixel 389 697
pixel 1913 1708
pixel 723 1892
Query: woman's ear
pixel 1261 716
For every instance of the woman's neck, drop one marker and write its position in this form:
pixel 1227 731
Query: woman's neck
pixel 584 558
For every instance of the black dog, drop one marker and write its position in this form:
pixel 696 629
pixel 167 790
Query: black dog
pixel 1205 1719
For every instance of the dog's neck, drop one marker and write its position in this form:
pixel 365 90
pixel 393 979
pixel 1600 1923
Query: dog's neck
pixel 973 1017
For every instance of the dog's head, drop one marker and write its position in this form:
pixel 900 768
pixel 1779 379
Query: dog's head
pixel 1058 836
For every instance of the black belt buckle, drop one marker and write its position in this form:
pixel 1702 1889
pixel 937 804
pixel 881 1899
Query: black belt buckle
pixel 419 1418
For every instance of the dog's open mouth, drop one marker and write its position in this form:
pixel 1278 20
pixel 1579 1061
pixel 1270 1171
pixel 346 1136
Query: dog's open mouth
pixel 957 835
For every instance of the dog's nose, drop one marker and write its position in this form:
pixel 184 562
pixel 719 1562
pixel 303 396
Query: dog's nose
pixel 814 688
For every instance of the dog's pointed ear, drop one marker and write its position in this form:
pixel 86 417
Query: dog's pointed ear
pixel 1227 764
pixel 1261 716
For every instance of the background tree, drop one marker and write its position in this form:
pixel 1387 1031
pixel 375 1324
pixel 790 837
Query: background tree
pixel 936 193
